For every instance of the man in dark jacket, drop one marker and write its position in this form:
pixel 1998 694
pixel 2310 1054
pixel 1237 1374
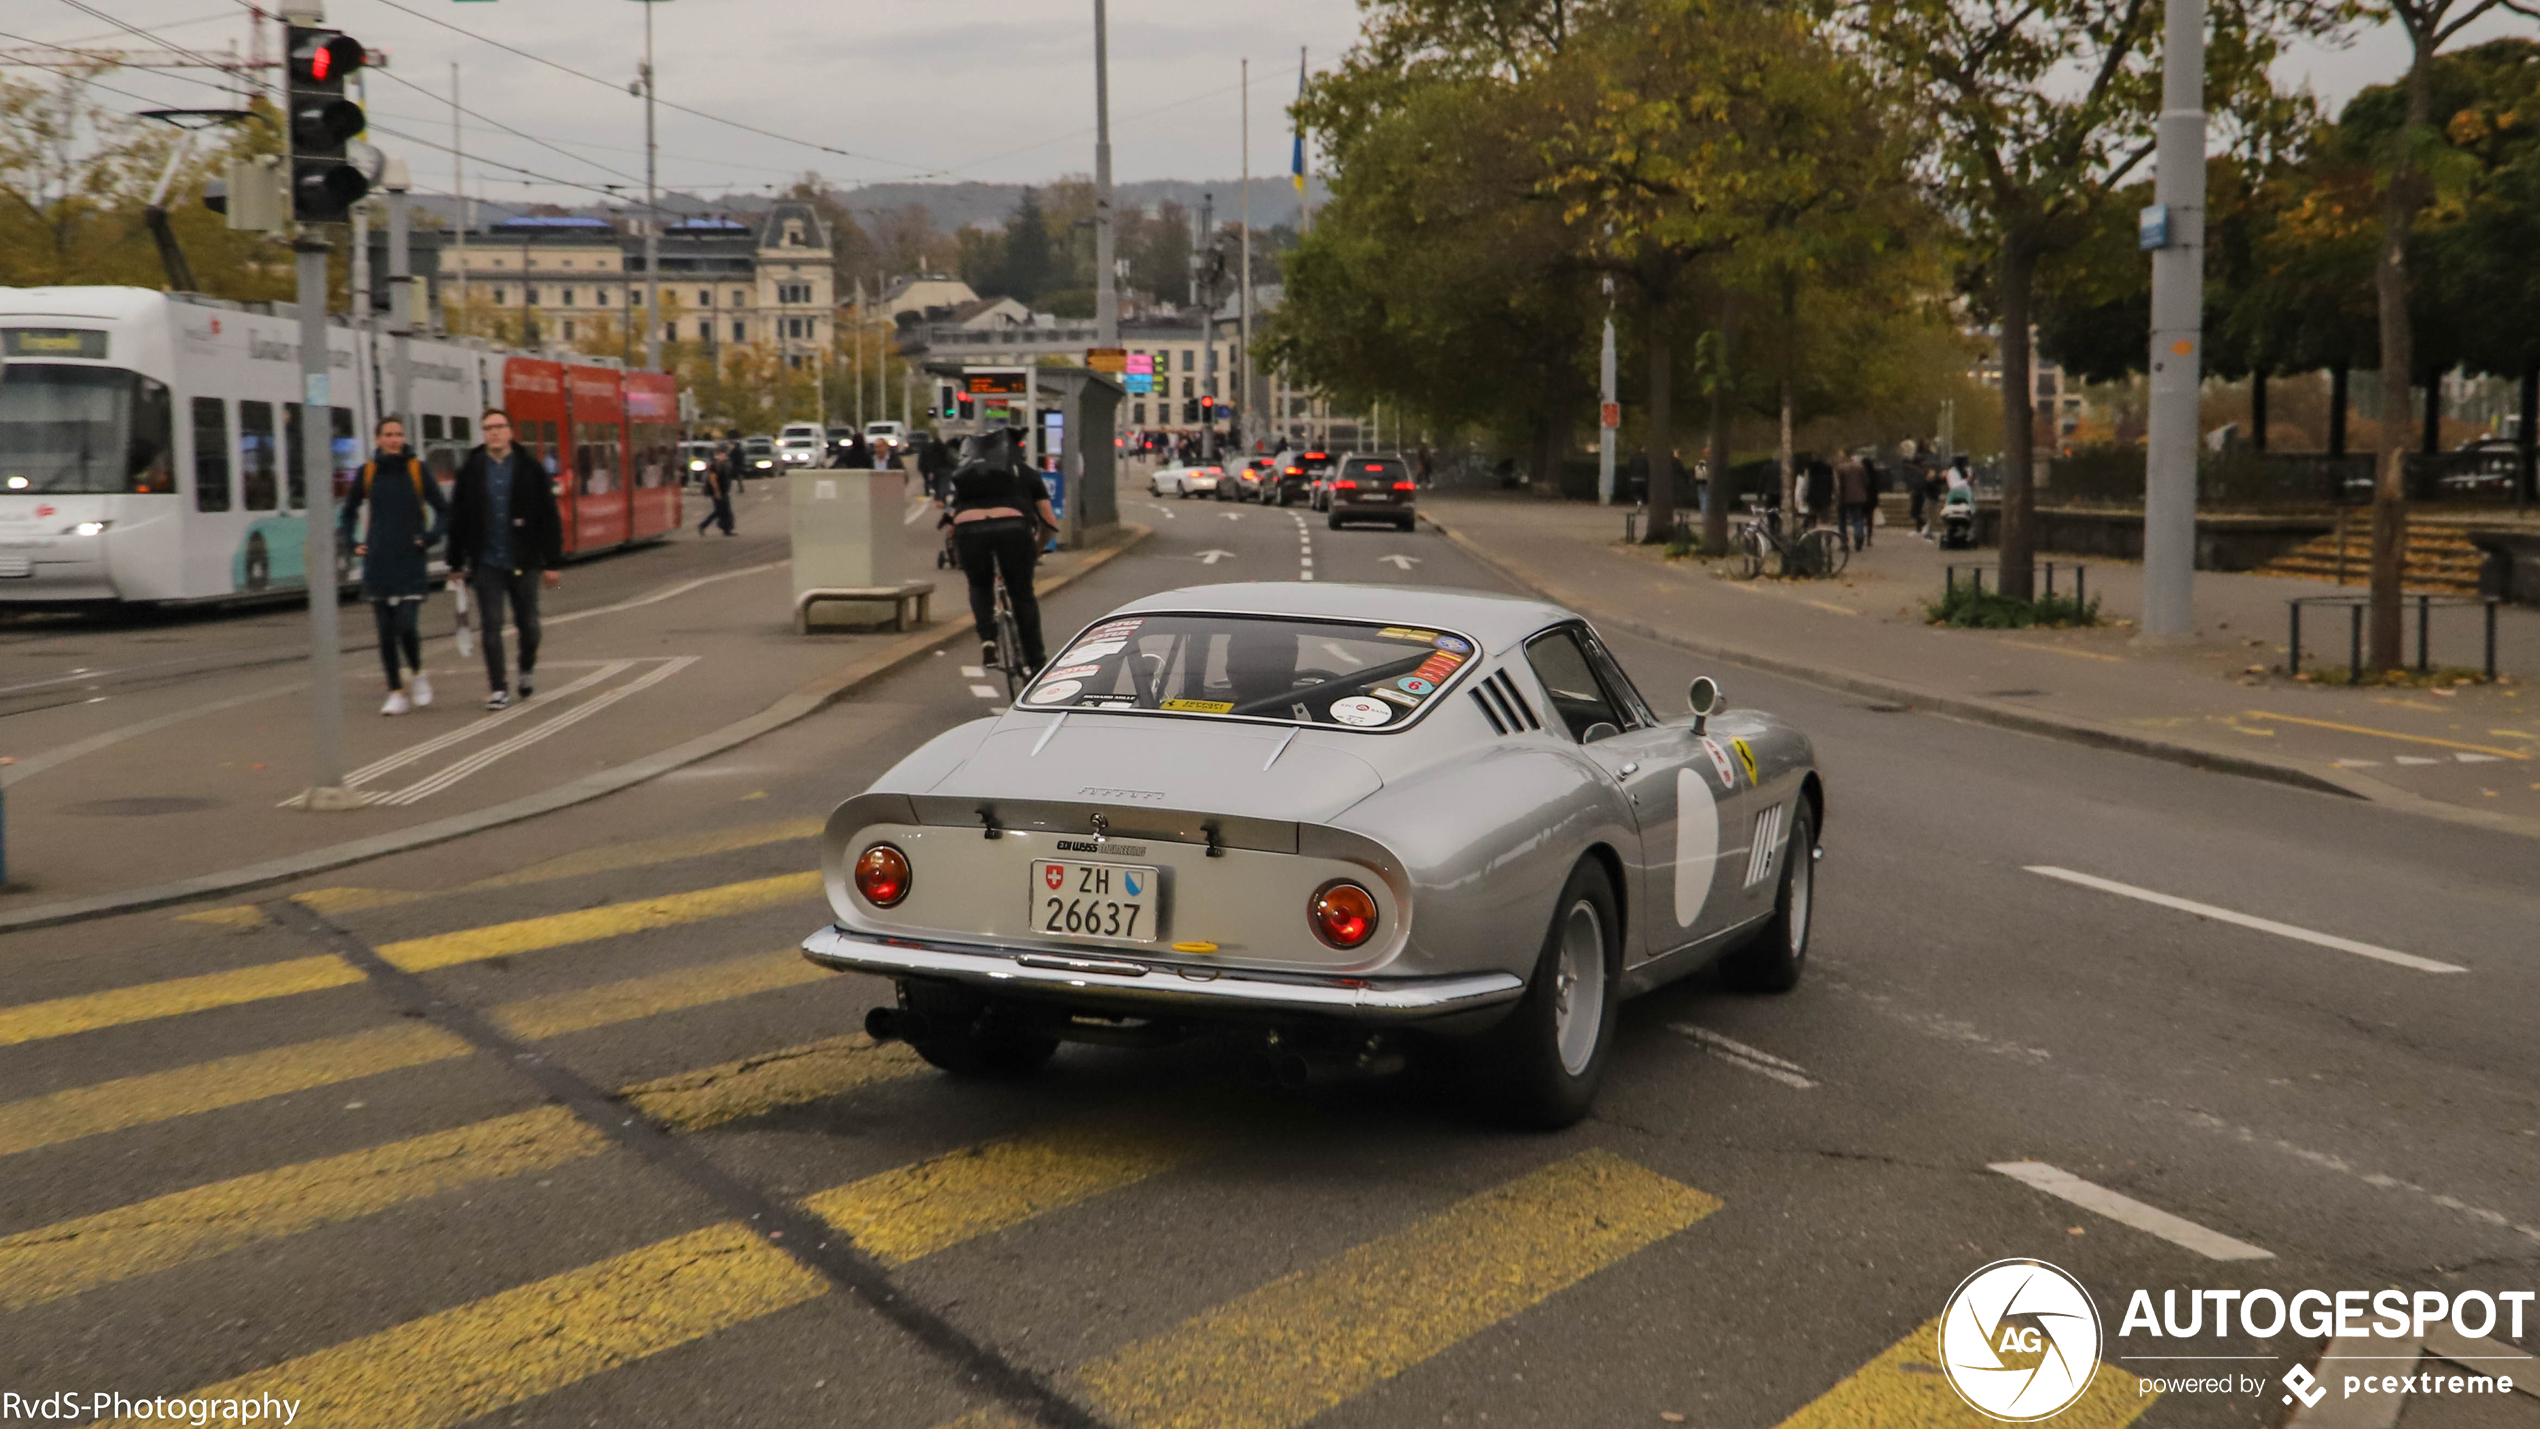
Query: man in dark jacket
pixel 505 538
pixel 407 512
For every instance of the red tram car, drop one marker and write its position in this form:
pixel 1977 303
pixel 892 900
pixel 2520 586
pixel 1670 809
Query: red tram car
pixel 608 439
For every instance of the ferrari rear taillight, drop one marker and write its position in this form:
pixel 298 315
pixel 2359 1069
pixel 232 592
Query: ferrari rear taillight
pixel 1343 914
pixel 882 875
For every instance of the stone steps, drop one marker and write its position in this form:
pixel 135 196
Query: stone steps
pixel 2440 560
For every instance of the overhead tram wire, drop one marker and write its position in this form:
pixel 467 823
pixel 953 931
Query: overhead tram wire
pixel 915 170
pixel 515 133
pixel 127 27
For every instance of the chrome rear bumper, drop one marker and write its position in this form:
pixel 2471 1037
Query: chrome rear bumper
pixel 1124 981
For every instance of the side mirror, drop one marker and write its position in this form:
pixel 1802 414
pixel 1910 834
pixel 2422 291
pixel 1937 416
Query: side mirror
pixel 1602 729
pixel 1704 696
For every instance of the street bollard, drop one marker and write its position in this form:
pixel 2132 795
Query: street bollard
pixel 2293 646
pixel 2491 640
pixel 2425 617
pixel 2355 645
pixel 4 829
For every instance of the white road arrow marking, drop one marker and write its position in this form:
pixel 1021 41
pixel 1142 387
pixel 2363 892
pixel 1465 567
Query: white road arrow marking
pixel 1234 516
pixel 2466 758
pixel 1212 557
pixel 1401 563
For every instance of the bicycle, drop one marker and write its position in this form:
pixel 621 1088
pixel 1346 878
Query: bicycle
pixel 1817 553
pixel 1009 644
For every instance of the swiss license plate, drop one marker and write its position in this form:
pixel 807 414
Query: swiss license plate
pixel 1108 902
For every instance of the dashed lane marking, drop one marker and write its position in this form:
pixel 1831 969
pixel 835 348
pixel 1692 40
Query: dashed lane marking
pixel 986 692
pixel 1282 1354
pixel 506 1349
pixel 606 858
pixel 555 930
pixel 2244 920
pixel 2127 1211
pixel 2391 734
pixel 1738 1054
pixel 69 1257
pixel 490 1354
pixel 1904 1388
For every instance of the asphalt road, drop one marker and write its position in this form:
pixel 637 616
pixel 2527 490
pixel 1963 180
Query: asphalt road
pixel 532 1127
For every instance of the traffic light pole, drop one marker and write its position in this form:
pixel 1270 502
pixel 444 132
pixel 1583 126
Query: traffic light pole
pixel 1106 282
pixel 317 475
pixel 652 213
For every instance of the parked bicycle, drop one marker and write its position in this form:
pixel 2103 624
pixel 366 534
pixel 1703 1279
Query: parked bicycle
pixel 1813 554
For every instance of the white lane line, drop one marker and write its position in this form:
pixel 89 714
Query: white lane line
pixel 425 788
pixel 34 764
pixel 608 670
pixel 2244 920
pixel 2125 1210
pixel 666 593
pixel 986 692
pixel 974 672
pixel 1753 1059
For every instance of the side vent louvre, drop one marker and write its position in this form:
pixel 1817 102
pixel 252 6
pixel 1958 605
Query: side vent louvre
pixel 1496 726
pixel 1768 841
pixel 1513 700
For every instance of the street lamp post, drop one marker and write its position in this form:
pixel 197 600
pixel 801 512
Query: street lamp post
pixel 1106 283
pixel 2174 229
pixel 652 206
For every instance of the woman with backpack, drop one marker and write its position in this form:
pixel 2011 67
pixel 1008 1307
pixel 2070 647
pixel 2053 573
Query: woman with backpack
pixel 408 516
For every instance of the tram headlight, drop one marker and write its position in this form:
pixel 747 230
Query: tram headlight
pixel 89 528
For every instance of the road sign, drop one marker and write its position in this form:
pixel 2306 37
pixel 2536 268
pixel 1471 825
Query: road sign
pixel 1609 414
pixel 1111 360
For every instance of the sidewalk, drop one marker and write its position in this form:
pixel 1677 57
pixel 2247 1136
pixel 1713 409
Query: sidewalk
pixel 2220 701
pixel 191 786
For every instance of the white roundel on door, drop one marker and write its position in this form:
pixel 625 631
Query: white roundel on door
pixel 1697 845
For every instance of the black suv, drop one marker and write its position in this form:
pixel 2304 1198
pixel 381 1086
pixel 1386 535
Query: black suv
pixel 1371 488
pixel 1301 478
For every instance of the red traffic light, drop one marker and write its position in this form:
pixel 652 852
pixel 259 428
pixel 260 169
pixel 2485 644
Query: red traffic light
pixel 326 58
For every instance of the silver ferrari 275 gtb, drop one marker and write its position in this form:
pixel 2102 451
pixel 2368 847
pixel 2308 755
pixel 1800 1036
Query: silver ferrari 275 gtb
pixel 1349 823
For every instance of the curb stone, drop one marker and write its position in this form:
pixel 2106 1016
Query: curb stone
pixel 805 700
pixel 2073 729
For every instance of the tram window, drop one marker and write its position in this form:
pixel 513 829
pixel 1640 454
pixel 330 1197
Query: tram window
pixel 151 456
pixel 211 454
pixel 255 455
pixel 295 459
pixel 433 429
pixel 458 429
pixel 347 449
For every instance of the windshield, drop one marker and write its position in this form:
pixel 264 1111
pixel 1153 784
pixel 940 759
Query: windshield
pixel 1356 675
pixel 66 429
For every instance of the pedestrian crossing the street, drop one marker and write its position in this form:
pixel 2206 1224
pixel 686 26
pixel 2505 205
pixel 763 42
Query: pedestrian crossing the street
pixel 1449 1257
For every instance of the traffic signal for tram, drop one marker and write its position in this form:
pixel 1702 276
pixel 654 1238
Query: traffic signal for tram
pixel 1208 409
pixel 969 408
pixel 950 411
pixel 325 182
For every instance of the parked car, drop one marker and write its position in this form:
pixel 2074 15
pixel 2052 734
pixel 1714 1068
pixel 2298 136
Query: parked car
pixel 1348 823
pixel 1371 488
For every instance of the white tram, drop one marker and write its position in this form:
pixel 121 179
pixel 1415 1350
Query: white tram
pixel 150 442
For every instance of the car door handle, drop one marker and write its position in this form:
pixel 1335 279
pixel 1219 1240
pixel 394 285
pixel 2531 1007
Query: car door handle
pixel 1631 769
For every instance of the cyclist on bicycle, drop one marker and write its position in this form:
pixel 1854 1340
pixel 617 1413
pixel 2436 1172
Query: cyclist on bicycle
pixel 999 512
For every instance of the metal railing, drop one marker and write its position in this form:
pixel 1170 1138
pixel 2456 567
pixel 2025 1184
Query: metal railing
pixel 1975 572
pixel 1684 519
pixel 2355 607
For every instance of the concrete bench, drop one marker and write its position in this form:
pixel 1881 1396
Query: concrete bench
pixel 913 598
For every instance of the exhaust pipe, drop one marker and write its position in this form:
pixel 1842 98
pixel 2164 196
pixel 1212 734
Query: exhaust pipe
pixel 893 1024
pixel 1299 1071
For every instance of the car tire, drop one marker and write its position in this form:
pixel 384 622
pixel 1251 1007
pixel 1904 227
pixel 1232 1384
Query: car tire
pixel 968 1036
pixel 1333 521
pixel 1541 1066
pixel 1774 959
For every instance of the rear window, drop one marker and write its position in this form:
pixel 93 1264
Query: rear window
pixel 1348 674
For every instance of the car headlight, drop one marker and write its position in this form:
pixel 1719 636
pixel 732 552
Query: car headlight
pixel 89 528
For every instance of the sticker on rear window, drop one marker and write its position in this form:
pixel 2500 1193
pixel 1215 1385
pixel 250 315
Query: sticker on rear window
pixel 1096 650
pixel 1361 711
pixel 1058 690
pixel 1398 632
pixel 1409 702
pixel 1075 672
pixel 1198 706
pixel 1451 643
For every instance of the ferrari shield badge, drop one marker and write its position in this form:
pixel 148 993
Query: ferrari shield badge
pixel 1746 756
pixel 1720 761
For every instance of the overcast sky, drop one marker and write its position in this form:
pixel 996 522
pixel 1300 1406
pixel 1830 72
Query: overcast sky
pixel 1002 93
